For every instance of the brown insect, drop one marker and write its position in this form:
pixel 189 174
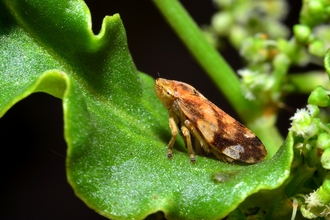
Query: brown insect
pixel 214 130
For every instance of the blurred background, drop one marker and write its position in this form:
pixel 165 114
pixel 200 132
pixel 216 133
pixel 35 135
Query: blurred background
pixel 34 184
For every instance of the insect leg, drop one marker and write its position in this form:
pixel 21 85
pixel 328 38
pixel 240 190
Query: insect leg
pixel 198 148
pixel 186 134
pixel 174 130
pixel 200 142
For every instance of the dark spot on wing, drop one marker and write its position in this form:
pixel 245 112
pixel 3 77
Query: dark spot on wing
pixel 254 150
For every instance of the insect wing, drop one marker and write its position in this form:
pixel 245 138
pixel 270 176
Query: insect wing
pixel 221 131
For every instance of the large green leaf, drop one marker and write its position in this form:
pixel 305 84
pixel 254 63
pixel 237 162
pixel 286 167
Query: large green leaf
pixel 115 127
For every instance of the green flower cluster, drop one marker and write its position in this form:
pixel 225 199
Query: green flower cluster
pixel 254 27
pixel 312 157
pixel 239 19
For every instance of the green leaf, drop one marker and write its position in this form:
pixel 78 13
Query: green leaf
pixel 115 127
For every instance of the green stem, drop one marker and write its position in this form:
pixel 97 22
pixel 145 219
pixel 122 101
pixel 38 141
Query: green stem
pixel 324 190
pixel 303 174
pixel 281 65
pixel 268 133
pixel 307 82
pixel 208 57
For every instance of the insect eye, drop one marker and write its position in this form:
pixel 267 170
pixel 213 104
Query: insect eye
pixel 168 92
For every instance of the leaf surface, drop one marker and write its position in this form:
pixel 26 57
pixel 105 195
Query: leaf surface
pixel 115 127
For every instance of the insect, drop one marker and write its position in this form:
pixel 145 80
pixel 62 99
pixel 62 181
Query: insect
pixel 214 130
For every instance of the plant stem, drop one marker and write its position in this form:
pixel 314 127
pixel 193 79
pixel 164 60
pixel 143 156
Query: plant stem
pixel 268 133
pixel 307 82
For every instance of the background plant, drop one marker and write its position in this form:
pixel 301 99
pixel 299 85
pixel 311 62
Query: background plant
pixel 237 100
pixel 267 79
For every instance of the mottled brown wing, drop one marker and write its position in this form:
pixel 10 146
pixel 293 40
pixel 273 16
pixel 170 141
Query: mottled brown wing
pixel 221 131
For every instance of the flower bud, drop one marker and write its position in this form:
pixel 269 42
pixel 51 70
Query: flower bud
pixel 319 97
pixel 221 22
pixel 317 48
pixel 315 8
pixel 302 33
pixel 325 159
pixel 323 141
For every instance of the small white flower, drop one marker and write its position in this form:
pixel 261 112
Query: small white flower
pixel 303 122
pixel 313 200
pixel 254 83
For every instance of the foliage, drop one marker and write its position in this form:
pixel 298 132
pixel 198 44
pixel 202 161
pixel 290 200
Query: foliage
pixel 116 129
pixel 267 80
